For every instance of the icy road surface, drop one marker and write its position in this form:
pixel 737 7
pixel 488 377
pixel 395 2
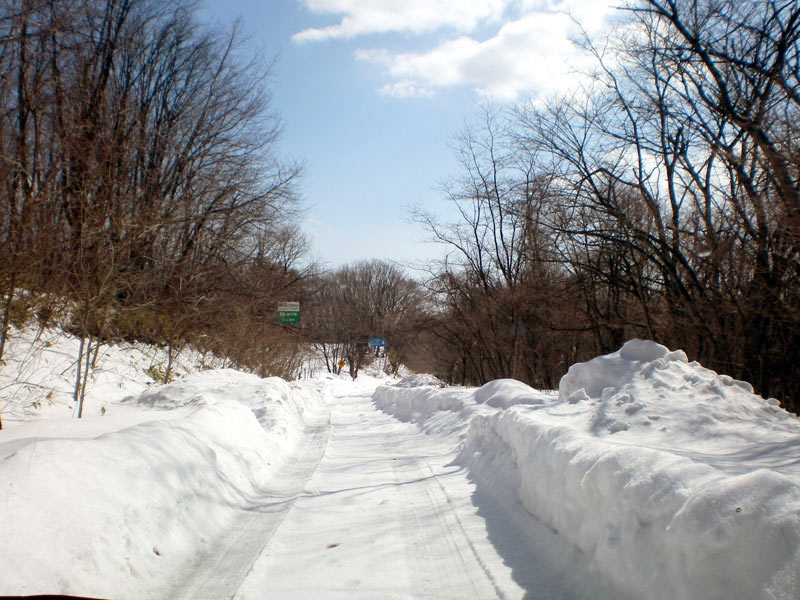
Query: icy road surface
pixel 379 510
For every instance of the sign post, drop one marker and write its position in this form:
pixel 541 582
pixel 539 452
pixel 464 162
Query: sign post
pixel 288 312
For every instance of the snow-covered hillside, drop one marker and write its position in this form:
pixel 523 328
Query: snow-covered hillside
pixel 37 374
pixel 643 476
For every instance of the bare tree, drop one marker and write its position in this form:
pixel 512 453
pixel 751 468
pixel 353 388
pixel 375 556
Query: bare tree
pixel 675 185
pixel 142 182
pixel 736 76
pixel 498 280
pixel 369 299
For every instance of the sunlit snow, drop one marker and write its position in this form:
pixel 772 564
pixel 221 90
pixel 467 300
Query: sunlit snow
pixel 643 476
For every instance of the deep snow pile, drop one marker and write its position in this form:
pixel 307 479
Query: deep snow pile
pixel 115 505
pixel 676 482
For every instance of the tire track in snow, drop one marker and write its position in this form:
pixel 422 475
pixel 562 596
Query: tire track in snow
pixel 386 515
pixel 441 546
pixel 219 572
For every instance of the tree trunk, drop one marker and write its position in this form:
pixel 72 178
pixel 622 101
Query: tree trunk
pixel 7 314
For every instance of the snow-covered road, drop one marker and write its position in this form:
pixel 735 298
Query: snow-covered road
pixel 646 476
pixel 385 515
pixel 219 572
pixel 374 507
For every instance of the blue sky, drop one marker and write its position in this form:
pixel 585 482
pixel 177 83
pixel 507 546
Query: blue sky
pixel 371 92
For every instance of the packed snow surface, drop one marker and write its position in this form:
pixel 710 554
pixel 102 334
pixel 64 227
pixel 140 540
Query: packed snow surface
pixel 644 476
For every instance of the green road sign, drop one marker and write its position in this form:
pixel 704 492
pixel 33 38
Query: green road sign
pixel 289 312
pixel 285 316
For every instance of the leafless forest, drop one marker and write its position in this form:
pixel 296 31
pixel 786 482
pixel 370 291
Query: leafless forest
pixel 143 197
pixel 659 200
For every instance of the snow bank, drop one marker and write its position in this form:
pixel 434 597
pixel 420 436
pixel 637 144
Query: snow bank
pixel 419 397
pixel 419 380
pixel 123 509
pixel 676 482
pixel 415 397
pixel 502 393
pixel 657 524
pixel 422 400
pixel 661 400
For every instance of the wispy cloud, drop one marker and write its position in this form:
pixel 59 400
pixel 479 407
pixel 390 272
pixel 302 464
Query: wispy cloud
pixel 405 88
pixel 529 52
pixel 362 17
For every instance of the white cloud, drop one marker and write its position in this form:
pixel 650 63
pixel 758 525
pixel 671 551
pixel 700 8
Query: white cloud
pixel 531 54
pixel 405 89
pixel 362 17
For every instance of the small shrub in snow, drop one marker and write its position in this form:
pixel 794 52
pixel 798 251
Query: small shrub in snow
pixel 159 374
